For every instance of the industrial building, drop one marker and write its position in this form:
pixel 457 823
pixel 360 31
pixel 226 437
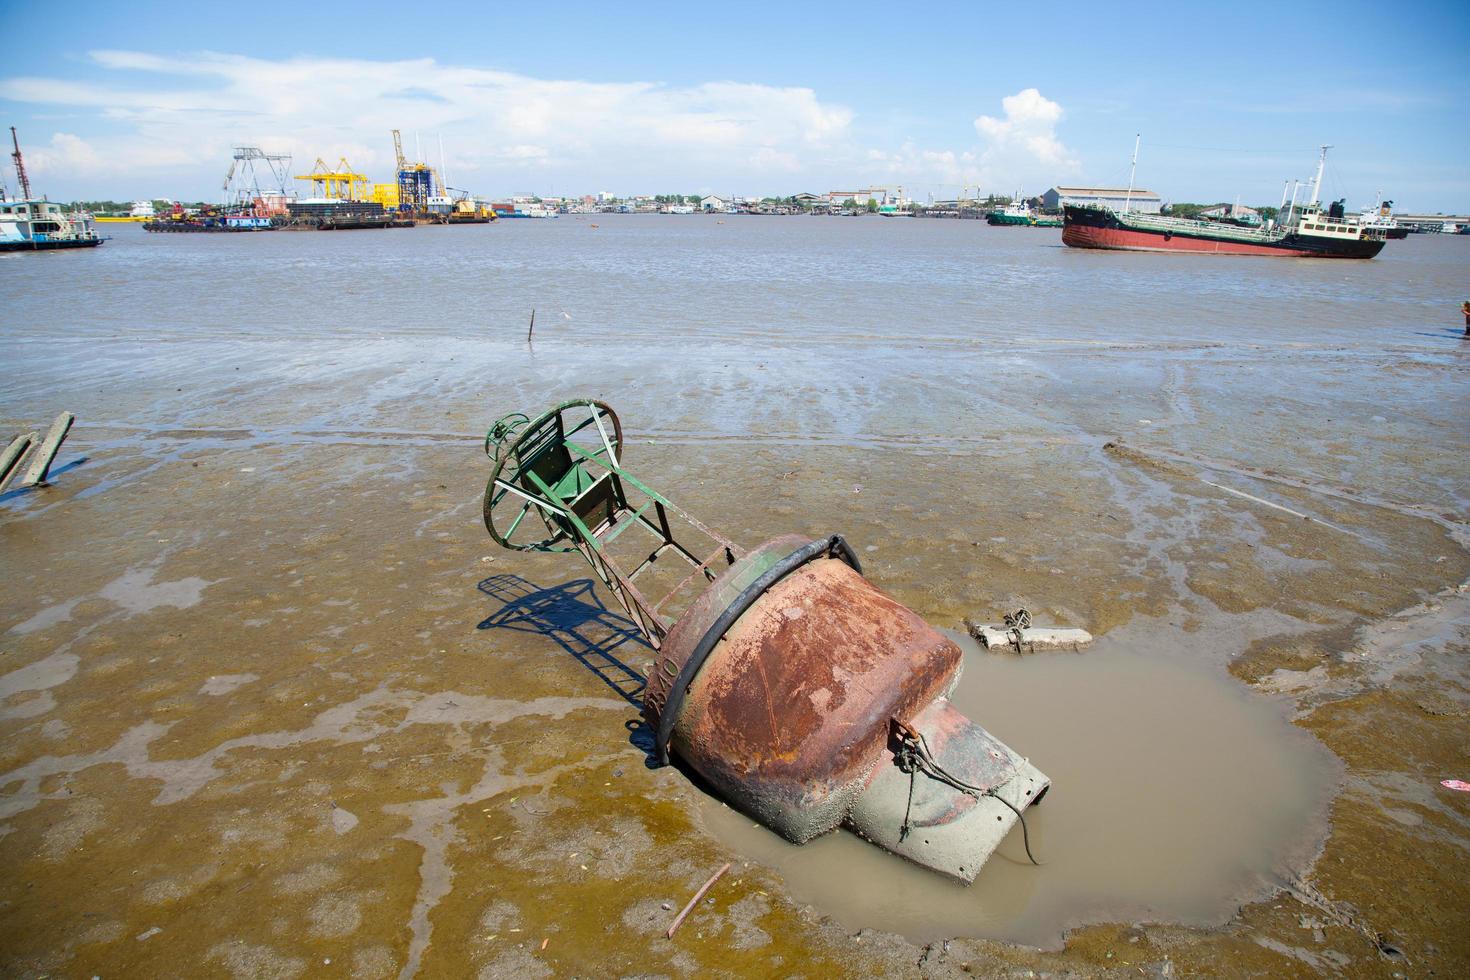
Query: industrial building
pixel 1112 197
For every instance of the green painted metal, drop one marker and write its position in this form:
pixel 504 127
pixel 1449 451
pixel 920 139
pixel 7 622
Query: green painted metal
pixel 525 451
pixel 567 470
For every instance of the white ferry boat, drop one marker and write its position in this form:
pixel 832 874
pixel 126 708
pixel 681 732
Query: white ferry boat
pixel 33 224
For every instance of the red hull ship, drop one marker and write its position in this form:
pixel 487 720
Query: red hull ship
pixel 1308 231
pixel 1318 235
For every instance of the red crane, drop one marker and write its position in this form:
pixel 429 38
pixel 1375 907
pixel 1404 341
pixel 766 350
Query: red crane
pixel 20 167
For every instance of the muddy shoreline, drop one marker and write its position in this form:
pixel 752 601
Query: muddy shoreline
pixel 257 712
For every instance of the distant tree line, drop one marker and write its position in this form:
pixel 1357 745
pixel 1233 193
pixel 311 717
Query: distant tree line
pixel 123 207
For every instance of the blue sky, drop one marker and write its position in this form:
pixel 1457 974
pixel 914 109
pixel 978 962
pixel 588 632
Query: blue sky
pixel 145 99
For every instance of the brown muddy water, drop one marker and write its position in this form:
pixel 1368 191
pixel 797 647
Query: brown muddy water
pixel 263 710
pixel 1174 797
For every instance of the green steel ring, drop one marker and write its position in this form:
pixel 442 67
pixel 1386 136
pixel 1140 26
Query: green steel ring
pixel 506 455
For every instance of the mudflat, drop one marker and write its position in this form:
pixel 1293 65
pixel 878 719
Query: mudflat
pixel 263 711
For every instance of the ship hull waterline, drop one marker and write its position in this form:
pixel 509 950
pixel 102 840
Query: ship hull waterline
pixel 1098 231
pixel 51 245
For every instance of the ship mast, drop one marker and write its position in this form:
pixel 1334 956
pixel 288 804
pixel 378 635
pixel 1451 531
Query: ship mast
pixel 20 167
pixel 1317 182
pixel 1132 169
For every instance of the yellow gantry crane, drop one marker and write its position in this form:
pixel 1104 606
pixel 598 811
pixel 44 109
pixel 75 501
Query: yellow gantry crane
pixel 342 183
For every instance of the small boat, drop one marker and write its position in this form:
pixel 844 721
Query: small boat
pixel 1307 231
pixel 142 212
pixel 529 210
pixel 1019 213
pixel 34 224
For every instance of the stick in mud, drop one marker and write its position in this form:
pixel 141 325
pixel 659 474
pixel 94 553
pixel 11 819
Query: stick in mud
pixel 695 900
pixel 14 453
pixel 532 328
pixel 41 464
pixel 1305 893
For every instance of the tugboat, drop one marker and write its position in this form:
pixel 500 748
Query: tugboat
pixel 1018 212
pixel 1309 231
pixel 33 224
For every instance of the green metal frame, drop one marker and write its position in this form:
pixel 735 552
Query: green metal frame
pixel 580 495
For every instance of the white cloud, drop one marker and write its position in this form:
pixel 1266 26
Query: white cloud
pixel 923 166
pixel 1024 141
pixel 166 126
pixel 500 128
pixel 66 151
pixel 1021 148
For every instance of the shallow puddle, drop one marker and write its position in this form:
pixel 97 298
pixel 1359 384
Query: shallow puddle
pixel 1176 795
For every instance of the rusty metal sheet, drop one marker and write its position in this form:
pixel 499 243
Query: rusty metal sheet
pixel 790 715
pixel 685 634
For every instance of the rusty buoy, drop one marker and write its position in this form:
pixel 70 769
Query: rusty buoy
pixel 803 694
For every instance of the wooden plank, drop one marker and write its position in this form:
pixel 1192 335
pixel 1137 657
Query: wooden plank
pixel 41 464
pixel 14 454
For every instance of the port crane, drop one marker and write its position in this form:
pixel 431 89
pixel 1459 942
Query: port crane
pixel 243 178
pixel 20 167
pixel 343 183
pixel 415 180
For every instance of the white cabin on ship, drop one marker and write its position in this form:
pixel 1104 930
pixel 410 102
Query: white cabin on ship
pixel 41 225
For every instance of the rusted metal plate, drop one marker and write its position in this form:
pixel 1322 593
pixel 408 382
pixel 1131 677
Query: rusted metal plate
pixel 701 614
pixel 791 713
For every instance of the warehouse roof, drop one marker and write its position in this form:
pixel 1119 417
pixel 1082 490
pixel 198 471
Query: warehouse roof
pixel 1103 191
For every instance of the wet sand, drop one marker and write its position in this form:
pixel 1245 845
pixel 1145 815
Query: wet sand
pixel 249 722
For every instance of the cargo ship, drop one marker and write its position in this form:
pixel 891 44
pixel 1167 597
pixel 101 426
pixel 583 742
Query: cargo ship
pixel 1307 231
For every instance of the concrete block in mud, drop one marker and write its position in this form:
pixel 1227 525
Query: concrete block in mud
pixel 50 446
pixel 13 456
pixel 1029 638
